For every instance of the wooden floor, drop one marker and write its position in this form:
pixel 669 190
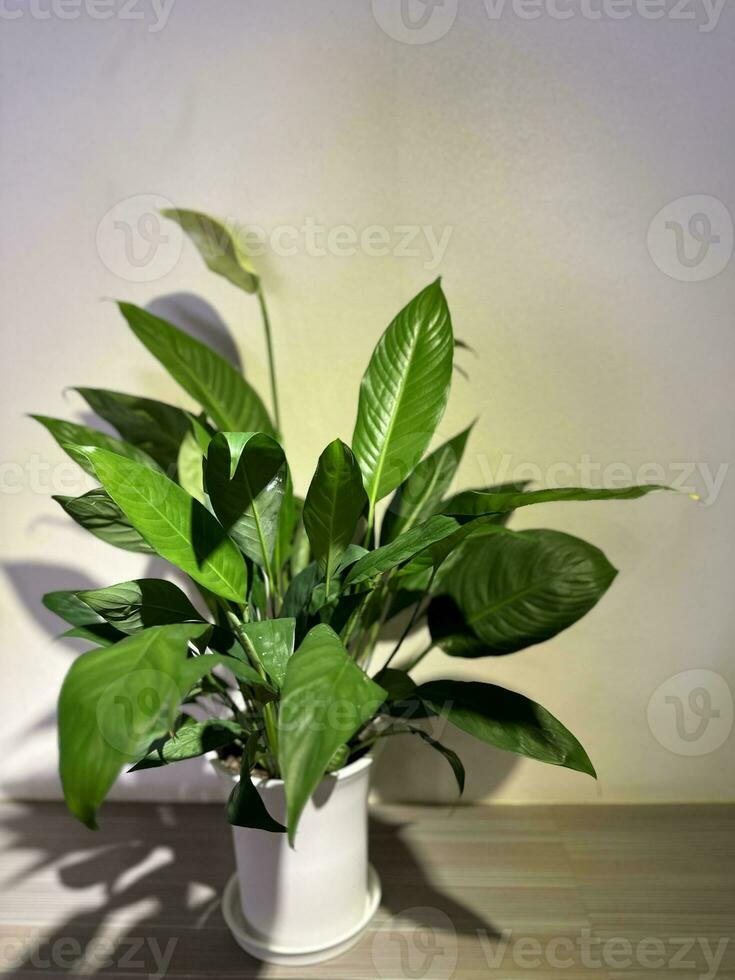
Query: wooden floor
pixel 539 892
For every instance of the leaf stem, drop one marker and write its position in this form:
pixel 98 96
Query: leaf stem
pixel 271 360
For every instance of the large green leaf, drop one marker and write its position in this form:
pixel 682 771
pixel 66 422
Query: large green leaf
pixel 69 607
pixel 404 547
pixel 418 496
pixel 273 643
pixel 179 528
pixel 474 503
pixel 112 703
pixel 70 434
pixel 404 392
pixel 153 426
pixel 326 699
pixel 193 738
pixel 135 605
pixel 333 506
pixel 212 381
pixel 245 477
pixel 506 720
pixel 218 245
pixel 520 588
pixel 98 513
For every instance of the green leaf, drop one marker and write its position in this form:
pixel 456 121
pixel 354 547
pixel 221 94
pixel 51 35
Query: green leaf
pixel 404 392
pixel 179 528
pixel 245 807
pixel 69 434
pixel 152 426
pixel 473 503
pixel 245 477
pixel 101 634
pixel 69 607
pixel 112 702
pixel 404 547
pixel 326 699
pixel 449 754
pixel 333 506
pixel 98 513
pixel 212 381
pixel 135 605
pixel 273 643
pixel 516 589
pixel 418 496
pixel 506 720
pixel 218 246
pixel 193 738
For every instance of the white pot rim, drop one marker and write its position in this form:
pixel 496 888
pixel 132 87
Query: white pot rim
pixel 339 775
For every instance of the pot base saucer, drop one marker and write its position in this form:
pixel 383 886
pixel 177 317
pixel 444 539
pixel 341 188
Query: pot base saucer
pixel 258 946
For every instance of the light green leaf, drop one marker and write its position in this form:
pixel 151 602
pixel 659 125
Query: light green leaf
pixel 404 392
pixel 333 506
pixel 404 547
pixel 418 496
pixel 245 476
pixel 152 426
pixel 473 503
pixel 326 699
pixel 69 433
pixel 135 605
pixel 506 720
pixel 273 642
pixel 516 589
pixel 98 513
pixel 69 607
pixel 179 528
pixel 112 702
pixel 218 245
pixel 193 738
pixel 212 381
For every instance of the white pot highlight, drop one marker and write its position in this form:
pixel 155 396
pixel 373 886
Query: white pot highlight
pixel 309 903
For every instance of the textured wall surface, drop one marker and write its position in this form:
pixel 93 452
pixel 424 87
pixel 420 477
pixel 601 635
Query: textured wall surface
pixel 570 177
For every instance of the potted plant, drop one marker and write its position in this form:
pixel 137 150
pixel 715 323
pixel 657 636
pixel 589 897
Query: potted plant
pixel 272 671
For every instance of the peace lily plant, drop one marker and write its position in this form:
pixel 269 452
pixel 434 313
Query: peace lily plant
pixel 279 673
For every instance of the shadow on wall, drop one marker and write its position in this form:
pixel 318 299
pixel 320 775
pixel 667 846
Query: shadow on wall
pixel 148 885
pixel 198 318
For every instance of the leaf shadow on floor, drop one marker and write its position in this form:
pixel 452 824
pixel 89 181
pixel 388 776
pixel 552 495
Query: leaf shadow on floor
pixel 144 893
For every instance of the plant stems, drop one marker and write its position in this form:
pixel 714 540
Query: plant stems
pixel 410 623
pixel 271 360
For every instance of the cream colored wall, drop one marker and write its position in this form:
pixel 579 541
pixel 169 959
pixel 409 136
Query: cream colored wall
pixel 544 149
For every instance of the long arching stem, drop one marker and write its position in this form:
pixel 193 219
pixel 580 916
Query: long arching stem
pixel 271 360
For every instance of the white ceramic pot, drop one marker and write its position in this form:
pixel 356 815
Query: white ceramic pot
pixel 308 903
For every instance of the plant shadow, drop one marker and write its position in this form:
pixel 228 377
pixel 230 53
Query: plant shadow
pixel 145 892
